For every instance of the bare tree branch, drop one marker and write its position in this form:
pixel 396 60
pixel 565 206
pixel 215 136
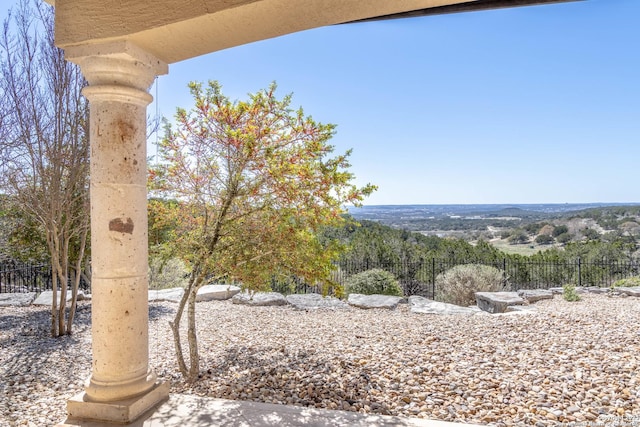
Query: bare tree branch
pixel 44 149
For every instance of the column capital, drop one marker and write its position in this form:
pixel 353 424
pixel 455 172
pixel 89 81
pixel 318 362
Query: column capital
pixel 117 63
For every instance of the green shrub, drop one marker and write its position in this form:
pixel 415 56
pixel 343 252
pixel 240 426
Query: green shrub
pixel 561 229
pixel 505 234
pixel 518 236
pixel 459 284
pixel 569 293
pixel 591 234
pixel 564 238
pixel 544 239
pixel 629 282
pixel 373 282
pixel 164 274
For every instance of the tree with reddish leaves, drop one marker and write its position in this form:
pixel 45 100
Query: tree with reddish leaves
pixel 253 183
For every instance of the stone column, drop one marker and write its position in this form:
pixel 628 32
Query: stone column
pixel 121 386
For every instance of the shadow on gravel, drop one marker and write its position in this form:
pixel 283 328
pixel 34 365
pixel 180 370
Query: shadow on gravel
pixel 9 322
pixel 30 348
pixel 37 321
pixel 158 311
pixel 273 369
pixel 30 356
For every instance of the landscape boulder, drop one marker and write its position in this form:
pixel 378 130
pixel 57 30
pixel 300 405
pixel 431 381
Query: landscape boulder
pixel 418 304
pixel 526 309
pixel 533 295
pixel 578 289
pixel 260 299
pixel 373 301
pixel 17 300
pixel 171 295
pixel 632 292
pixel 82 296
pixel 497 302
pixel 217 292
pixel 315 301
pixel 46 298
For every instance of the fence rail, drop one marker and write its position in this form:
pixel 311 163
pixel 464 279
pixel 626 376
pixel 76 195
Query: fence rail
pixel 420 278
pixel 416 278
pixel 19 278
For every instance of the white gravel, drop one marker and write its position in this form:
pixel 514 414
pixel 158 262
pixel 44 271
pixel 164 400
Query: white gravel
pixel 569 362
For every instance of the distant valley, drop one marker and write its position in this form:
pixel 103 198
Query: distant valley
pixel 525 227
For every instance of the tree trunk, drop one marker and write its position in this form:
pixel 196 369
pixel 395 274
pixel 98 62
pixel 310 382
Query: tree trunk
pixel 54 302
pixel 194 356
pixel 65 271
pixel 63 305
pixel 188 301
pixel 76 281
pixel 175 328
pixel 63 278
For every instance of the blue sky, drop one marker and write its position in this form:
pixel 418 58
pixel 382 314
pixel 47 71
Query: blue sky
pixel 526 105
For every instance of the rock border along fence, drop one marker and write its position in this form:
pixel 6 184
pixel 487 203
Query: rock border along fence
pixel 416 278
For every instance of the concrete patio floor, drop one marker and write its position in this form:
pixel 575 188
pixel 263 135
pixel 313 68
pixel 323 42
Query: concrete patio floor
pixel 193 411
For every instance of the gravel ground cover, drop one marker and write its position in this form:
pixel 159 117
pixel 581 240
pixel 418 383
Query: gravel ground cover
pixel 568 363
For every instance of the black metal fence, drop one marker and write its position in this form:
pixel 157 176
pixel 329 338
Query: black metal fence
pixel 420 278
pixel 18 278
pixel 416 278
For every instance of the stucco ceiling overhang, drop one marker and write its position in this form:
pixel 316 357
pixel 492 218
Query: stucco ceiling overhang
pixel 174 30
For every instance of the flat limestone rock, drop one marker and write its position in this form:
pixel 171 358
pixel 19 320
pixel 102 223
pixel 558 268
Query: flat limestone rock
pixel 17 300
pixel 373 301
pixel 46 298
pixel 579 290
pixel 170 295
pixel 597 290
pixel 418 304
pixel 497 302
pixel 631 291
pixel 260 299
pixel 521 309
pixel 315 301
pixel 533 295
pixel 217 292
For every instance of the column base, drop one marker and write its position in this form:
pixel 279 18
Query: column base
pixel 125 411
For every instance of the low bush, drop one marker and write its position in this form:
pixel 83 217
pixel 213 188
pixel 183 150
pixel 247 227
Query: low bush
pixel 629 282
pixel 569 293
pixel 373 282
pixel 518 236
pixel 564 238
pixel 544 239
pixel 560 229
pixel 459 284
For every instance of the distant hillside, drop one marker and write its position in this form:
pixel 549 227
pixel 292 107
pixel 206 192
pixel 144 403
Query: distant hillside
pixel 538 226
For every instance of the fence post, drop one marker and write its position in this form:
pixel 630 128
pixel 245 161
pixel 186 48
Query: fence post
pixel 433 278
pixel 579 272
pixel 504 272
pixel 609 281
